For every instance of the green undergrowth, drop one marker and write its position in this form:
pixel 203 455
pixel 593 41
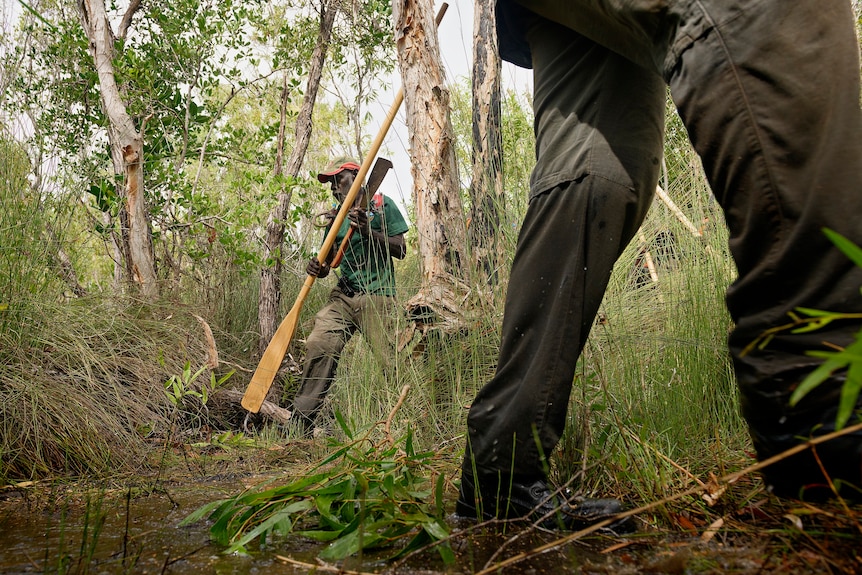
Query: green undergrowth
pixel 95 385
pixel 365 495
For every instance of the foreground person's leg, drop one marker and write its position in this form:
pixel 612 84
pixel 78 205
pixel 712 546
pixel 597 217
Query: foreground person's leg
pixel 770 95
pixel 599 122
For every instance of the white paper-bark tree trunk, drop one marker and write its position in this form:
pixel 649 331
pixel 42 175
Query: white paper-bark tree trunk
pixel 440 221
pixel 127 150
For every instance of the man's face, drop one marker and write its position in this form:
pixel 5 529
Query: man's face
pixel 340 184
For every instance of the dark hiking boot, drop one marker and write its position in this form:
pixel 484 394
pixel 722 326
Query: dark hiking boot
pixel 533 500
pixel 801 476
pixel 776 427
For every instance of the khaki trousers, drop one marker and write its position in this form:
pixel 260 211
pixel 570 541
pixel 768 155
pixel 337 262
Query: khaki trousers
pixel 334 325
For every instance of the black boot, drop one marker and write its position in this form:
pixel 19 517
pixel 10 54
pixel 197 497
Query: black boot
pixel 533 500
pixel 775 427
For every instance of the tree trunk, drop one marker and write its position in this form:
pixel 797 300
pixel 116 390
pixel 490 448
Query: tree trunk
pixel 127 153
pixel 62 263
pixel 270 276
pixel 486 189
pixel 440 222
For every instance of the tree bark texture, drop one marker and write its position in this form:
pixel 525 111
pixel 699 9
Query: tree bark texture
pixel 486 189
pixel 127 151
pixel 269 300
pixel 62 263
pixel 440 222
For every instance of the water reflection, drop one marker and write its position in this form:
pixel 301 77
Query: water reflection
pixel 136 531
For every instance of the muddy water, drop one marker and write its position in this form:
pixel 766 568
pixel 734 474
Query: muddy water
pixel 136 531
pixel 116 532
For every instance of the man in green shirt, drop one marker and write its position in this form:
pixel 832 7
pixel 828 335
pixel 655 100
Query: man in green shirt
pixel 363 299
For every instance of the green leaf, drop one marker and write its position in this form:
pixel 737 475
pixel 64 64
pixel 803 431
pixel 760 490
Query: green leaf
pixel 343 425
pixel 815 325
pixel 323 505
pixel 278 522
pixel 438 496
pixel 813 313
pixel 436 529
pixel 851 358
pixel 353 542
pixel 419 541
pixel 849 394
pixel 849 249
pixel 320 535
pixel 439 531
pixel 814 379
pixel 201 512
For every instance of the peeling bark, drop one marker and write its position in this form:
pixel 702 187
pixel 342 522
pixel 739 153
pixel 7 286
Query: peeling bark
pixel 486 189
pixel 440 222
pixel 127 150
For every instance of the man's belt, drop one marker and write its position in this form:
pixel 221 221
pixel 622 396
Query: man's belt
pixel 346 288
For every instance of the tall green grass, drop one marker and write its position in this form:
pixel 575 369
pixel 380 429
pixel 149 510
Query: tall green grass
pixel 82 389
pixel 654 405
pixel 82 381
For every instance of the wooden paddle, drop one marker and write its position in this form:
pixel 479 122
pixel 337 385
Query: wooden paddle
pixel 272 357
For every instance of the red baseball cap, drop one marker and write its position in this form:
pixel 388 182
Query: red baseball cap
pixel 337 167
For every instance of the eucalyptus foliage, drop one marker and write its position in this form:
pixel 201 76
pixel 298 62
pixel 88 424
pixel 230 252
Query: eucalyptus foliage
pixel 363 496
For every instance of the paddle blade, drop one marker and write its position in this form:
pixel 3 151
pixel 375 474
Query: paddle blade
pixel 270 362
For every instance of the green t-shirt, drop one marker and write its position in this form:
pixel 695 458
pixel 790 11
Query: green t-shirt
pixel 369 268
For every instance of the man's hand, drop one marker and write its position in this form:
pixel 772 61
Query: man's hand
pixel 315 269
pixel 359 221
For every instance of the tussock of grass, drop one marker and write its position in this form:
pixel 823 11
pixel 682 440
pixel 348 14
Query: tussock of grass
pixel 81 384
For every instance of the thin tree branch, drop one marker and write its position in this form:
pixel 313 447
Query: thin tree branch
pixel 127 18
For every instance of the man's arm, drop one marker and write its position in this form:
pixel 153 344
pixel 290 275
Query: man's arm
pixel 395 245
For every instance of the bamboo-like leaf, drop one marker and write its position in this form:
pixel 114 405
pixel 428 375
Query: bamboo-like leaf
pixel 343 425
pixel 338 454
pixel 228 524
pixel 438 496
pixel 408 443
pixel 323 505
pixel 436 529
pixel 348 507
pixel 851 358
pixel 419 541
pixel 849 249
pixel 815 378
pixel 201 512
pixel 811 312
pixel 321 535
pixel 849 394
pixel 278 521
pixel 367 537
pixel 439 532
pixel 816 324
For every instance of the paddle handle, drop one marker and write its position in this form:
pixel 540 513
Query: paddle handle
pixel 270 361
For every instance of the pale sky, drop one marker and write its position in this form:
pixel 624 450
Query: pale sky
pixel 455 35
